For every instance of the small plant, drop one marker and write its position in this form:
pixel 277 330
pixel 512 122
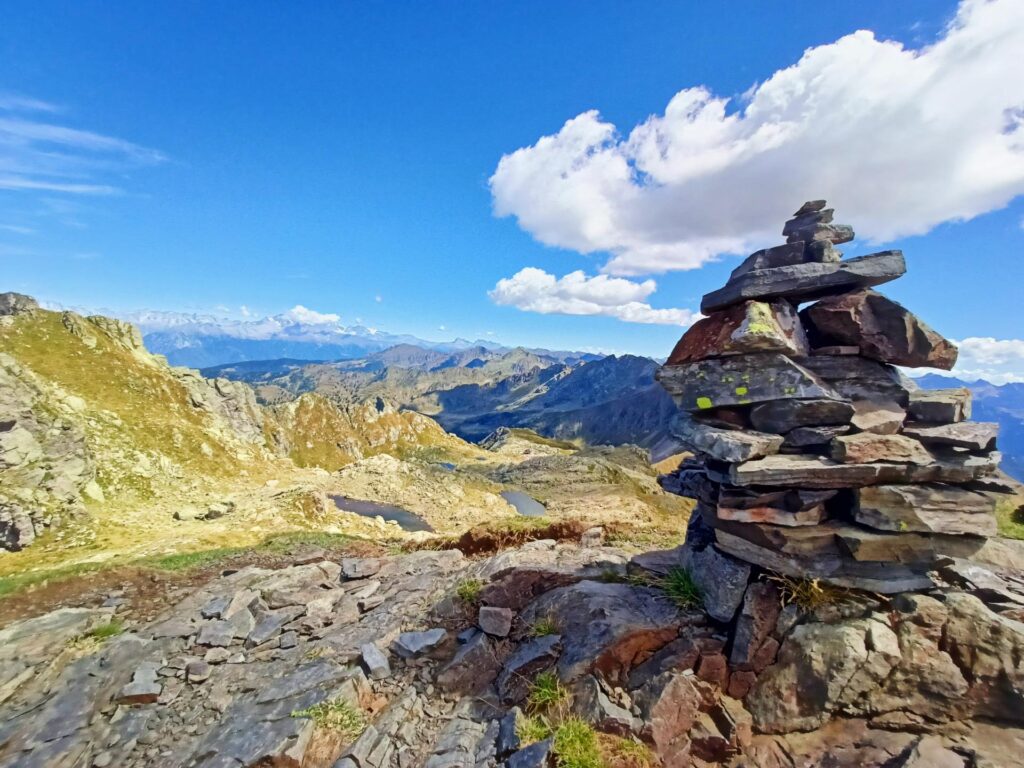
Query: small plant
pixel 807 594
pixel 469 590
pixel 680 587
pixel 544 626
pixel 576 745
pixel 546 693
pixel 337 715
pixel 532 729
pixel 316 652
pixel 106 631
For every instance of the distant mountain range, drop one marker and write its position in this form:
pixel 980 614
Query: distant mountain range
pixel 600 400
pixel 609 400
pixel 202 341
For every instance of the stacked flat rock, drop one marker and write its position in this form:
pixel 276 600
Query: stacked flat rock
pixel 813 455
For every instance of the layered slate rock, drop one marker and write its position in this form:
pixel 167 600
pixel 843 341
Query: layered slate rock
pixel 814 456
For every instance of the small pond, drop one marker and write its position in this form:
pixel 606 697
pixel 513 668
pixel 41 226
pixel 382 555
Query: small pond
pixel 407 521
pixel 525 505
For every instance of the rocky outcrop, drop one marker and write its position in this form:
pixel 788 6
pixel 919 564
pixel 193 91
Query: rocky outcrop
pixel 245 670
pixel 44 463
pixel 16 304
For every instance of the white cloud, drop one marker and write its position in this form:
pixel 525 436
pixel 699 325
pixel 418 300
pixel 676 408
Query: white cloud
pixel 300 314
pixel 378 298
pixel 17 229
pixel 998 361
pixel 898 140
pixel 41 156
pixel 534 290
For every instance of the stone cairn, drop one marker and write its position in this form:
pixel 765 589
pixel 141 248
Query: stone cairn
pixel 814 456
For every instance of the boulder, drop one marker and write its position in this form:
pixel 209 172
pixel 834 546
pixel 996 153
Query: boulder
pixel 606 628
pixel 592 704
pixel 880 328
pixel 783 416
pixel 867 447
pixel 821 669
pixel 375 662
pixel 16 303
pixel 721 579
pixel 753 326
pixel 805 437
pixel 730 445
pixel 972 435
pixel 940 406
pixel 804 282
pixel 669 705
pixel 928 508
pixel 473 667
pixel 731 381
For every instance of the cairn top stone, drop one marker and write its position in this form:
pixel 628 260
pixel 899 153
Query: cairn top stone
pixel 812 280
pixel 753 326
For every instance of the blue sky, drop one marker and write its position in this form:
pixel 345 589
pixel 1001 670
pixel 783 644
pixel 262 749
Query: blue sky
pixel 338 156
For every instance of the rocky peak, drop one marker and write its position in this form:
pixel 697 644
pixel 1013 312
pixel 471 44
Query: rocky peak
pixel 16 304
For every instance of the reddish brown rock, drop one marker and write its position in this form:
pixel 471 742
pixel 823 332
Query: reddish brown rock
pixel 882 417
pixel 972 435
pixel 867 448
pixel 751 648
pixel 752 326
pixel 880 328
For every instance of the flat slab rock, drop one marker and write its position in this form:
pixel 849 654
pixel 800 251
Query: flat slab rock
pixel 857 378
pixel 940 406
pixel 724 444
pixel 784 416
pixel 972 435
pixel 929 507
pixel 880 328
pixel 800 470
pixel 866 447
pixel 808 281
pixel 753 326
pixel 755 378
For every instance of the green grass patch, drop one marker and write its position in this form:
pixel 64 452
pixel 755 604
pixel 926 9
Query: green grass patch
pixel 468 591
pixel 546 693
pixel 532 437
pixel 544 626
pixel 337 715
pixel 112 628
pixel 531 729
pixel 1010 517
pixel 576 745
pixel 630 753
pixel 680 587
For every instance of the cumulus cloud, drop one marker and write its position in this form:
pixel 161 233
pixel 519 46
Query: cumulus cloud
pixel 897 139
pixel 534 290
pixel 39 155
pixel 999 361
pixel 301 314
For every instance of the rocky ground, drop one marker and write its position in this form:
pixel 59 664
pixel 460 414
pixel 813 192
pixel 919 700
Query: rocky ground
pixel 432 658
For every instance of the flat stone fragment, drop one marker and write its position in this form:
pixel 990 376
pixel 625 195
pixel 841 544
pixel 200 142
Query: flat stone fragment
pixel 871 546
pixel 767 258
pixel 773 515
pixel 721 579
pixel 857 378
pixel 359 567
pixel 808 281
pixel 882 417
pixel 880 328
pixel 800 470
pixel 782 416
pixel 496 622
pixel 216 633
pixel 408 645
pixel 803 437
pixel 867 447
pixel 731 445
pixel 374 661
pixel 144 687
pixel 536 755
pixel 929 508
pixel 884 578
pixel 742 380
pixel 753 326
pixel 940 406
pixel 806 219
pixel 972 435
